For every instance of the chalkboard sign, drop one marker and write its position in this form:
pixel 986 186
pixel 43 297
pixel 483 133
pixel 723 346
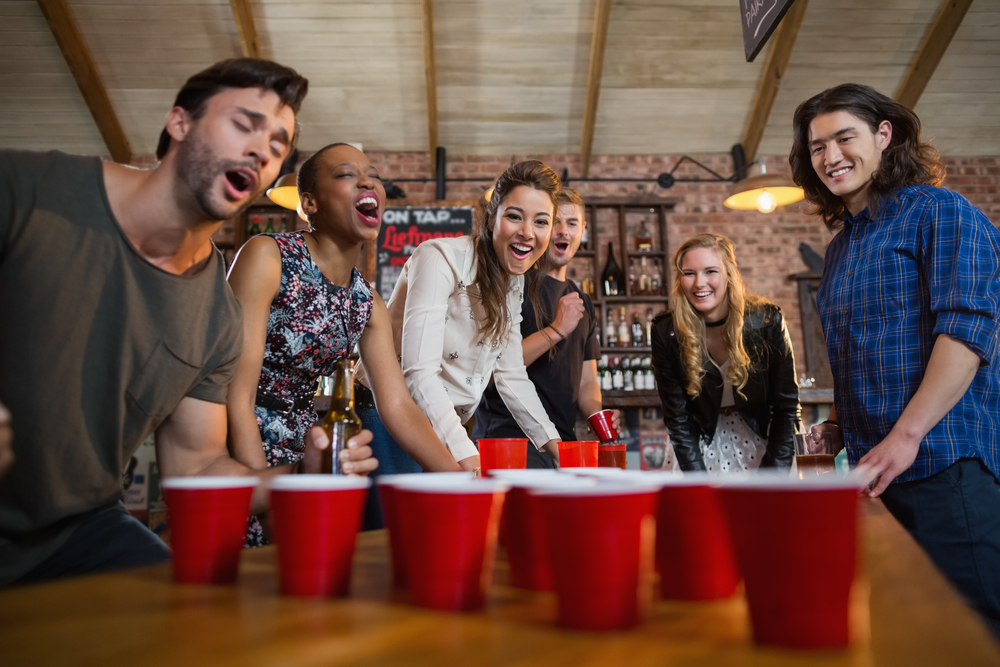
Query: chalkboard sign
pixel 403 229
pixel 759 19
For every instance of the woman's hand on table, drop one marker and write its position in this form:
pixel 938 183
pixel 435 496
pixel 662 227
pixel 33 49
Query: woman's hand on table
pixel 470 464
pixel 6 438
pixel 357 458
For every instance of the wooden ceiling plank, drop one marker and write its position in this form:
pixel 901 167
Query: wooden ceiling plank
pixel 932 48
pixel 249 42
pixel 80 63
pixel 782 43
pixel 598 42
pixel 430 74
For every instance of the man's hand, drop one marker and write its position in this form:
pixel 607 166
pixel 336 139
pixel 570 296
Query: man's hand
pixel 357 458
pixel 569 313
pixel 836 436
pixel 552 447
pixel 616 421
pixel 6 438
pixel 885 462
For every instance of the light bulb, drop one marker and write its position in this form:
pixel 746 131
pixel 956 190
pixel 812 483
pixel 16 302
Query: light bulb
pixel 765 202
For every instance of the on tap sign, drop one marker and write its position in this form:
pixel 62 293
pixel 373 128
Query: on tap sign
pixel 759 19
pixel 403 229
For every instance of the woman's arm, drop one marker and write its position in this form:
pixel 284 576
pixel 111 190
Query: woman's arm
pixel 255 278
pixel 431 282
pixel 401 416
pixel 670 383
pixel 784 398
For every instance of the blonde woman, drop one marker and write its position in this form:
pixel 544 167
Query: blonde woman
pixel 724 366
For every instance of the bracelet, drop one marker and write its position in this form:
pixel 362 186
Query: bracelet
pixel 561 334
pixel 549 338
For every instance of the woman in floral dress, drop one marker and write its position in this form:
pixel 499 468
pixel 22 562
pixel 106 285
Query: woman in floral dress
pixel 306 306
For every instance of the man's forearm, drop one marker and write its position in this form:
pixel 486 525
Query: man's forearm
pixel 950 371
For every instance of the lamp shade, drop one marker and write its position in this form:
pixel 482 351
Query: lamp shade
pixel 764 193
pixel 285 192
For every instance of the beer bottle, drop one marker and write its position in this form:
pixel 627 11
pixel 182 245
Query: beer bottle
pixel 342 422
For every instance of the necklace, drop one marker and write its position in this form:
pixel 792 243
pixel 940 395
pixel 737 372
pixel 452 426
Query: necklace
pixel 717 323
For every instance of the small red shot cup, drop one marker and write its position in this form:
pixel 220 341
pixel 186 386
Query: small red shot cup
pixel 208 520
pixel 316 520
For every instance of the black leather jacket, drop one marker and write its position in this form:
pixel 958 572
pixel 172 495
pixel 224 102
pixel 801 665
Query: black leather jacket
pixel 771 406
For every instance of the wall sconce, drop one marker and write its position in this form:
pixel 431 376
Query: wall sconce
pixel 285 192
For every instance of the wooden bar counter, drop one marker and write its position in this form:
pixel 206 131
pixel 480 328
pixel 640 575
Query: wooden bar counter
pixel 903 613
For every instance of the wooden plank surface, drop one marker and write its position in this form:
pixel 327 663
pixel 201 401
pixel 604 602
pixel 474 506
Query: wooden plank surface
pixel 595 68
pixel 902 613
pixel 242 14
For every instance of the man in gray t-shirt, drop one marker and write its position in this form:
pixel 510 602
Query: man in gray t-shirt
pixel 116 320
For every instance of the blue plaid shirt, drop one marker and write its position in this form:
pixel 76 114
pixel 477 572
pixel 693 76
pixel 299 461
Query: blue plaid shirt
pixel 928 265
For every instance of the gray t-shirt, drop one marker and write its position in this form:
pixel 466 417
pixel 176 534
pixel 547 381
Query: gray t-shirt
pixel 97 348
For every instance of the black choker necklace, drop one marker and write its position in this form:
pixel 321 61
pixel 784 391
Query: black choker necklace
pixel 718 323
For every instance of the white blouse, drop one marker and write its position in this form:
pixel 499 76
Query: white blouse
pixel 435 313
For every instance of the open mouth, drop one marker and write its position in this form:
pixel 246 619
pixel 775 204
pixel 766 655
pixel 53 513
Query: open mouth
pixel 561 246
pixel 241 181
pixel 837 173
pixel 702 295
pixel 520 251
pixel 367 207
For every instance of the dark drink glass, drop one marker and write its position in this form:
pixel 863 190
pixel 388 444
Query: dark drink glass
pixel 611 456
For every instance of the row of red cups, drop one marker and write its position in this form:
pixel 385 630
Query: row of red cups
pixel 590 535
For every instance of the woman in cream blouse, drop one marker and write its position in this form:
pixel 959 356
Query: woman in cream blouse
pixel 456 313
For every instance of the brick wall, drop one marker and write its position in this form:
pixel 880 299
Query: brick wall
pixel 767 245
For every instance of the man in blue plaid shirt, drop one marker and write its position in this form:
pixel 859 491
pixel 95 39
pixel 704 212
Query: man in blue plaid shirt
pixel 910 303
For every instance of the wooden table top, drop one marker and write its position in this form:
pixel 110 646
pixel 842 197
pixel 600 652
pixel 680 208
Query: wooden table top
pixel 902 613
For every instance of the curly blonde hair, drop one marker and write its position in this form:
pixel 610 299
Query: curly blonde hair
pixel 690 326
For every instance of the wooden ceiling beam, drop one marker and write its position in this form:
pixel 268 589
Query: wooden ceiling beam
pixel 249 43
pixel 82 66
pixel 598 42
pixel 430 76
pixel 932 48
pixel 782 43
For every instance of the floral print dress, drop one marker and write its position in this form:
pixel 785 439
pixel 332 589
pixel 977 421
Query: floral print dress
pixel 312 324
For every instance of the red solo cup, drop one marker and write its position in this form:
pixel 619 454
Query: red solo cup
pixel 571 454
pixel 612 456
pixel 502 453
pixel 694 552
pixel 601 541
pixel 589 451
pixel 208 519
pixel 316 522
pixel 601 473
pixel 529 474
pixel 527 550
pixel 449 537
pixel 796 543
pixel 386 490
pixel 601 424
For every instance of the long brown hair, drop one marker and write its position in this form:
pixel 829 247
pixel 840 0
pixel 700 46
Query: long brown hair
pixel 690 326
pixel 492 281
pixel 908 160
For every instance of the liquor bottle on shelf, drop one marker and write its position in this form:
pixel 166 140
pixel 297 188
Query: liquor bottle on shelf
pixel 284 224
pixel 610 334
pixel 633 284
pixel 623 334
pixel 255 227
pixel 643 239
pixel 655 281
pixel 638 375
pixel 628 382
pixel 605 374
pixel 613 278
pixel 587 287
pixel 649 326
pixel 638 335
pixel 647 367
pixel 617 377
pixel 342 422
pixel 643 278
pixel 270 225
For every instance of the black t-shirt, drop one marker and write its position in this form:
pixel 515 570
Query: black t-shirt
pixel 557 379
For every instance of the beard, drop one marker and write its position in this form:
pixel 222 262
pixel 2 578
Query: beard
pixel 198 168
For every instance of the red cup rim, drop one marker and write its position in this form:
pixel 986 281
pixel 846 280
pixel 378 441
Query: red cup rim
pixel 765 482
pixel 318 483
pixel 524 440
pixel 608 410
pixel 511 474
pixel 676 478
pixel 455 486
pixel 552 482
pixel 592 472
pixel 216 482
pixel 397 478
pixel 601 489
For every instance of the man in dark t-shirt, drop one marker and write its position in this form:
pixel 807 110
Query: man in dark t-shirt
pixel 562 356
pixel 116 321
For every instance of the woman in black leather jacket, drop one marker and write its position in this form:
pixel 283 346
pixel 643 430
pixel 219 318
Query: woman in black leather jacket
pixel 724 366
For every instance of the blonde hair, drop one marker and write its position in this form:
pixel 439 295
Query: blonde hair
pixel 690 326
